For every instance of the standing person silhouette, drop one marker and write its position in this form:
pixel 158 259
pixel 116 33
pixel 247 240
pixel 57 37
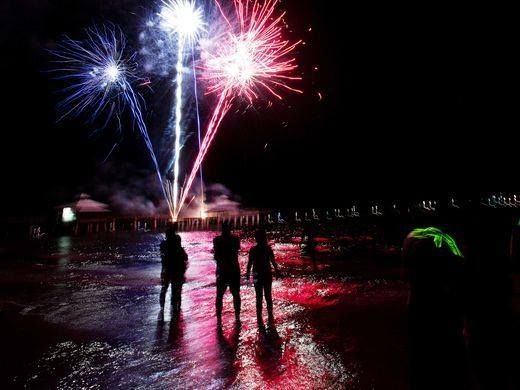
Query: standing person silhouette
pixel 174 265
pixel 225 252
pixel 308 240
pixel 261 257
pixel 491 333
pixel 435 310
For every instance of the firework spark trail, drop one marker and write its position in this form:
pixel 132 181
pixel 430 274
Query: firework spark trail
pixel 246 61
pixel 135 108
pixel 184 19
pixel 178 119
pixel 98 75
pixel 195 88
pixel 220 111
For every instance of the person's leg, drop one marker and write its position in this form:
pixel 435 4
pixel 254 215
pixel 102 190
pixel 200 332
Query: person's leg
pixel 268 298
pixel 164 289
pixel 221 289
pixel 173 295
pixel 259 287
pixel 176 296
pixel 179 295
pixel 235 291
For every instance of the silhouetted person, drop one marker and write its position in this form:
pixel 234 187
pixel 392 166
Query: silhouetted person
pixel 515 246
pixel 309 241
pixel 174 264
pixel 261 257
pixel 491 336
pixel 225 252
pixel 434 262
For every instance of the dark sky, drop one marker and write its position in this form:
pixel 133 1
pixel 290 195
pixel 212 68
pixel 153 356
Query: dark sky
pixel 420 99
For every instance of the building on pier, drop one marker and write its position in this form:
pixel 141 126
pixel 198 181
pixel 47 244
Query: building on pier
pixel 83 212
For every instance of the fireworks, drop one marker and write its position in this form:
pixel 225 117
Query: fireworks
pixel 249 60
pixel 184 19
pixel 99 77
pixel 252 58
pixel 96 71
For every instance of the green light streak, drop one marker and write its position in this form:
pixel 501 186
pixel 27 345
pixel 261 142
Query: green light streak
pixel 439 239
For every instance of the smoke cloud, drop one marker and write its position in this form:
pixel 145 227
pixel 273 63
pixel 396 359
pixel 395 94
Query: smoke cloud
pixel 132 191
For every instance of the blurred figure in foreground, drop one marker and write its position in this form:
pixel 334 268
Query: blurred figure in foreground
pixel 435 266
pixel 225 252
pixel 261 257
pixel 174 265
pixel 493 343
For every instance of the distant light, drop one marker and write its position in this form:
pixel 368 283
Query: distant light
pixel 68 215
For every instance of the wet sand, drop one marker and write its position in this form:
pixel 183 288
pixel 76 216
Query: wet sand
pixel 83 313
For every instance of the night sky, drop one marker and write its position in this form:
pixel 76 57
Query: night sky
pixel 416 100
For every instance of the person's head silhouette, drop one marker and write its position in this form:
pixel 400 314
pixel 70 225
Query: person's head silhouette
pixel 261 237
pixel 226 229
pixel 171 232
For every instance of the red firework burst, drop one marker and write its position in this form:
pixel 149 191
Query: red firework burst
pixel 250 60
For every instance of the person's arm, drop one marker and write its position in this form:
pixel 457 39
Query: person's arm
pixel 162 247
pixel 249 264
pixel 215 249
pixel 237 246
pixel 184 262
pixel 163 261
pixel 163 252
pixel 274 263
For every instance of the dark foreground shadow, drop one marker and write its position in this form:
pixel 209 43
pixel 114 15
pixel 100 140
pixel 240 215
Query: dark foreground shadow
pixel 169 335
pixel 228 347
pixel 269 351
